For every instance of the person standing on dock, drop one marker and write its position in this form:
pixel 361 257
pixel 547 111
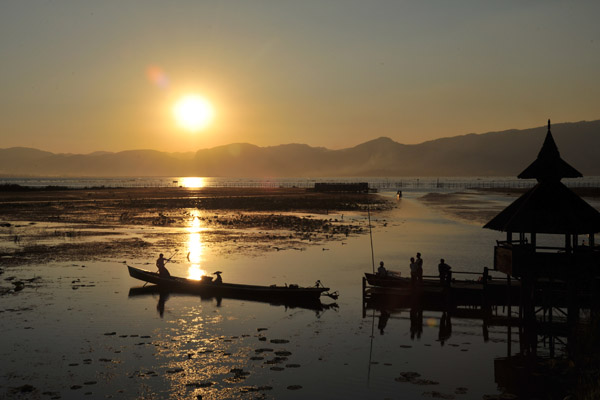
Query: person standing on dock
pixel 419 262
pixel 444 271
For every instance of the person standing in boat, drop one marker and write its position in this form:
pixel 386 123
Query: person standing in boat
pixel 381 271
pixel 445 274
pixel 414 275
pixel 419 262
pixel 160 264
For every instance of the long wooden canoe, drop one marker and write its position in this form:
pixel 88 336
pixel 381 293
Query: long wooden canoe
pixel 208 287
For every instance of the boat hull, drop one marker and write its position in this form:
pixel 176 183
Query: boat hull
pixel 227 289
pixel 397 281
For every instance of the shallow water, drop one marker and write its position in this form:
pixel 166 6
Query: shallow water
pixel 76 331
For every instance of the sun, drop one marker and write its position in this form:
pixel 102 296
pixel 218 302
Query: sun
pixel 193 112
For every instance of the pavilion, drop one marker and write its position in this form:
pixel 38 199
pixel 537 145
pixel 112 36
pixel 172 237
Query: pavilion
pixel 554 268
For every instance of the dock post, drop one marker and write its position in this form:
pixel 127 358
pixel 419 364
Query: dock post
pixel 364 300
pixel 509 322
pixel 508 293
pixel 485 303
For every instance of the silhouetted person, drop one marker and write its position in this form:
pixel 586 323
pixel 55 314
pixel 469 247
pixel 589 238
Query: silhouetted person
pixel 414 275
pixel 419 262
pixel 444 271
pixel 381 271
pixel 218 279
pixel 160 264
pixel 384 316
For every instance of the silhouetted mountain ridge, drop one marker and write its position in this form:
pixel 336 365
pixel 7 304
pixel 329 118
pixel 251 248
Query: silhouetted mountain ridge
pixel 503 153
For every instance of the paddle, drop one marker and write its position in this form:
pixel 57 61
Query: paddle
pixel 169 259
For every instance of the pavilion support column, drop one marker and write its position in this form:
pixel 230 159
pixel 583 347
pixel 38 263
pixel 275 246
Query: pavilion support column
pixel 528 281
pixel 572 301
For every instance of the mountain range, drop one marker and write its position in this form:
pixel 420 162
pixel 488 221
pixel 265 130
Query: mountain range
pixel 503 153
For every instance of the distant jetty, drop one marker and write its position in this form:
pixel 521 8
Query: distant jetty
pixel 342 187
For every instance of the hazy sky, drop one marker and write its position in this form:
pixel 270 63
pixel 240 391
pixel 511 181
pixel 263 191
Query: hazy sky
pixel 80 76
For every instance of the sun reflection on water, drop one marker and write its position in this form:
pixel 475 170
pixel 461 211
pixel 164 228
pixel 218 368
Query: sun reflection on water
pixel 195 247
pixel 192 182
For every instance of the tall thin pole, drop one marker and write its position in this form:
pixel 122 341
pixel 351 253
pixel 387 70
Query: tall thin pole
pixel 371 235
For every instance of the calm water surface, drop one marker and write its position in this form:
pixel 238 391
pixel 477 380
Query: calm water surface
pixel 80 334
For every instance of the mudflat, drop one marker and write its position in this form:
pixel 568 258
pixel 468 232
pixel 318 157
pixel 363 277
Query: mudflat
pixel 55 224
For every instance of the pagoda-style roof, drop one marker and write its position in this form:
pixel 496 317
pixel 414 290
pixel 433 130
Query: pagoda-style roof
pixel 548 164
pixel 548 207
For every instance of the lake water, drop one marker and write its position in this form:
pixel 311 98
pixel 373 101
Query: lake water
pixel 388 183
pixel 80 335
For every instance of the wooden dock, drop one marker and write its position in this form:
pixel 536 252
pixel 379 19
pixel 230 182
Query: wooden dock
pixel 432 294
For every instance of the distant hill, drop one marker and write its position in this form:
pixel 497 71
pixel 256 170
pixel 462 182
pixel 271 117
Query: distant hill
pixel 490 154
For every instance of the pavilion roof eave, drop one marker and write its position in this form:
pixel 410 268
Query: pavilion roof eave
pixel 548 207
pixel 540 169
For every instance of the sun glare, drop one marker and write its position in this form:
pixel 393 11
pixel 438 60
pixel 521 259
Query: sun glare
pixel 195 247
pixel 193 112
pixel 192 182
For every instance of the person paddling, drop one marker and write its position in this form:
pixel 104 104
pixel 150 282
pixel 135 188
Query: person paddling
pixel 160 264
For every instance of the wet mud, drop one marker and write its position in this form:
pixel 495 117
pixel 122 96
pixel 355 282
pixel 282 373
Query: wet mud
pixel 468 207
pixel 108 224
pixel 481 205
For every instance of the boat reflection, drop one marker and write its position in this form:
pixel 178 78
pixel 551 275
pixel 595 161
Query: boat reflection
pixel 153 290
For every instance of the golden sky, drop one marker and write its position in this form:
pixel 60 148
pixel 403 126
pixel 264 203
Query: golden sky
pixel 79 76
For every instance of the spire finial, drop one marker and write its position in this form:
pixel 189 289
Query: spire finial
pixel 548 124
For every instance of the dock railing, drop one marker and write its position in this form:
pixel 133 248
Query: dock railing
pixel 484 276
